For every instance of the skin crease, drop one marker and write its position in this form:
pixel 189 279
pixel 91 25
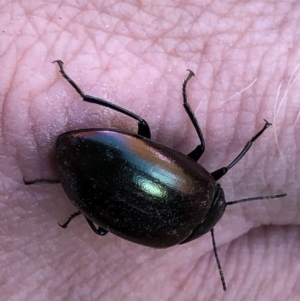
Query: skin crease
pixel 246 59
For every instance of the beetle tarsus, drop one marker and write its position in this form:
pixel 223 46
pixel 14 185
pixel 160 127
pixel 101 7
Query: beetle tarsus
pixel 59 62
pixel 191 74
pixel 71 217
pixel 267 124
pixel 64 74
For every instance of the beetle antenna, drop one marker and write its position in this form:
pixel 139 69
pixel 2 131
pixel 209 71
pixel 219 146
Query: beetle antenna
pixel 217 259
pixel 257 198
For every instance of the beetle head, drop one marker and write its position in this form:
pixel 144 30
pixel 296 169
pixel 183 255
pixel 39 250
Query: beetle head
pixel 214 214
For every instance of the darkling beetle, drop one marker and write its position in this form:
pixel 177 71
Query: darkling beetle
pixel 138 189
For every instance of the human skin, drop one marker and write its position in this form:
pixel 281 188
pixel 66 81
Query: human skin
pixel 246 59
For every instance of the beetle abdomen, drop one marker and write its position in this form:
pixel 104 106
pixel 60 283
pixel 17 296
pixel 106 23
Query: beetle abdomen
pixel 132 186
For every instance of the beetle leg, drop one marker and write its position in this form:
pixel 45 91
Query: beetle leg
pixel 46 181
pixel 217 174
pixel 100 231
pixel 143 127
pixel 71 217
pixel 199 150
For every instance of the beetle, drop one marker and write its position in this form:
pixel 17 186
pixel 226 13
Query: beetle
pixel 138 189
